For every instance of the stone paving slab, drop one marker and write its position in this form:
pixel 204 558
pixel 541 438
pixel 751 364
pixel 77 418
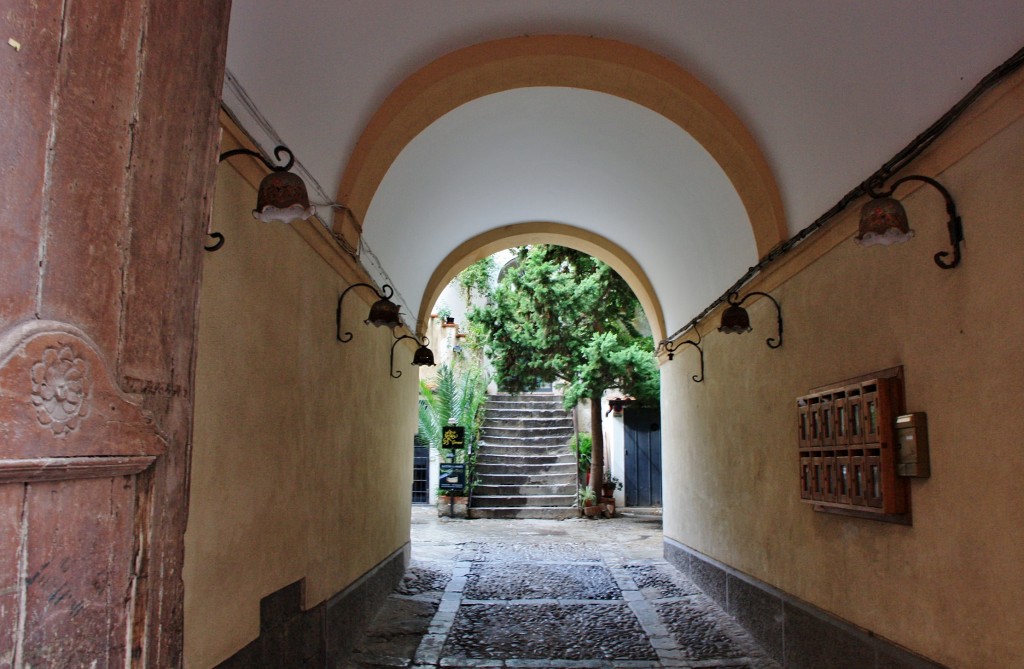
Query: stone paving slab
pixel 548 631
pixel 544 594
pixel 525 580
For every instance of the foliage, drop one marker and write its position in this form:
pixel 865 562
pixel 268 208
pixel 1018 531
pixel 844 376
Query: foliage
pixel 458 395
pixel 611 481
pixel 587 496
pixel 582 446
pixel 558 313
pixel 474 343
pixel 477 278
pixel 562 314
pixel 444 312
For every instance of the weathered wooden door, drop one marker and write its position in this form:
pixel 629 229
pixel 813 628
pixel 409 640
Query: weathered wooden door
pixel 110 144
pixel 74 495
pixel 642 456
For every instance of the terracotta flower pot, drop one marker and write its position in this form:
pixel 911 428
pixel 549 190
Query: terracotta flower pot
pixel 447 509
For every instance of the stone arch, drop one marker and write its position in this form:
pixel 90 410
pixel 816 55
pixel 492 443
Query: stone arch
pixel 542 232
pixel 573 61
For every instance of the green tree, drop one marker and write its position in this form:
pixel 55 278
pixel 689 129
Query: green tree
pixel 558 313
pixel 476 279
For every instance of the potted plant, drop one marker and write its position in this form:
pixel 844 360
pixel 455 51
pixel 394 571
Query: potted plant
pixel 588 502
pixel 444 312
pixel 581 445
pixel 452 504
pixel 610 485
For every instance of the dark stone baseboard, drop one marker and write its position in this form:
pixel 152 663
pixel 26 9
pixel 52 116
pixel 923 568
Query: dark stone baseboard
pixel 795 633
pixel 323 636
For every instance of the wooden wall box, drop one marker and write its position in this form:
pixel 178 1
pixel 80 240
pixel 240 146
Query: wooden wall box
pixel 847 445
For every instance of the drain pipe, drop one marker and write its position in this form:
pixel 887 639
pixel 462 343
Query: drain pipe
pixel 576 432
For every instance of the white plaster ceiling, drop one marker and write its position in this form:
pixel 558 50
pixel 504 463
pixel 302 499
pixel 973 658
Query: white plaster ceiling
pixel 567 156
pixel 830 91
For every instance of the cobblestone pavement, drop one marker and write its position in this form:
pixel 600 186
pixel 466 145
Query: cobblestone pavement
pixel 538 594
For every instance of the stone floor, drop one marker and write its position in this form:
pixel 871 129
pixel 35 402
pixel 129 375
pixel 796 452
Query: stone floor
pixel 543 594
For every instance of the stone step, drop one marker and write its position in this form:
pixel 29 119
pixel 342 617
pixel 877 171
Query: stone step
pixel 491 414
pixel 518 449
pixel 525 441
pixel 518 458
pixel 503 478
pixel 528 490
pixel 528 422
pixel 531 397
pixel 559 431
pixel 520 500
pixel 537 513
pixel 522 468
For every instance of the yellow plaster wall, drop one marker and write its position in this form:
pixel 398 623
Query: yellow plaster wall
pixel 950 586
pixel 302 450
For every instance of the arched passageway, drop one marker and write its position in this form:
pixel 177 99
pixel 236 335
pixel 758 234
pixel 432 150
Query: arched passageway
pixel 522 234
pixel 594 134
pixel 296 485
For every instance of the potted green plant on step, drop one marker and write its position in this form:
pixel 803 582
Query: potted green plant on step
pixel 581 444
pixel 610 484
pixel 588 502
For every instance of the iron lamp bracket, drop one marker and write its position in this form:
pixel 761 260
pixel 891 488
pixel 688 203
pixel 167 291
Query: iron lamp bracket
pixel 735 301
pixel 278 150
pixel 954 225
pixel 384 293
pixel 671 349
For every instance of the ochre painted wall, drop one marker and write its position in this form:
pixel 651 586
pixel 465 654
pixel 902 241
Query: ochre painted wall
pixel 302 451
pixel 949 587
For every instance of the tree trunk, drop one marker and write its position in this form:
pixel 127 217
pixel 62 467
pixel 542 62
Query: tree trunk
pixel 597 445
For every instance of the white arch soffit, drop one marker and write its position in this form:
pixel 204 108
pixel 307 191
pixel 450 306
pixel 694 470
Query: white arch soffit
pixel 573 156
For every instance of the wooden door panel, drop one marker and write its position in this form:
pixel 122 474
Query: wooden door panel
pixel 74 452
pixel 11 504
pixel 643 457
pixel 78 572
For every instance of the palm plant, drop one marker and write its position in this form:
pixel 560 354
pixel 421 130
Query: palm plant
pixel 459 396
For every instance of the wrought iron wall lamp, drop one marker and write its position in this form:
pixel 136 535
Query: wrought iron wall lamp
pixel 735 318
pixel 382 312
pixel 671 349
pixel 883 220
pixel 423 357
pixel 282 195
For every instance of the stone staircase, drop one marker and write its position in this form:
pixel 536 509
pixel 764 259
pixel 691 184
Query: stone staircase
pixel 524 465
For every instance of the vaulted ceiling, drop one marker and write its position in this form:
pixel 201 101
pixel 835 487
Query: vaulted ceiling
pixel 828 91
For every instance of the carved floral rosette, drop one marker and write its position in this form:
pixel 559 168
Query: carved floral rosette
pixel 61 389
pixel 57 386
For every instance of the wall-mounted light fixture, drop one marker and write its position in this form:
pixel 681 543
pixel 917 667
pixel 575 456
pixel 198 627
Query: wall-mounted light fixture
pixel 423 357
pixel 736 320
pixel 282 194
pixel 671 349
pixel 616 405
pixel 382 312
pixel 883 220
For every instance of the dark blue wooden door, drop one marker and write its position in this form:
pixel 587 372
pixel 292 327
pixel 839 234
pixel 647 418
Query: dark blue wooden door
pixel 420 470
pixel 643 456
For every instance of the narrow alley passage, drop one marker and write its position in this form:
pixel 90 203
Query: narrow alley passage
pixel 548 593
